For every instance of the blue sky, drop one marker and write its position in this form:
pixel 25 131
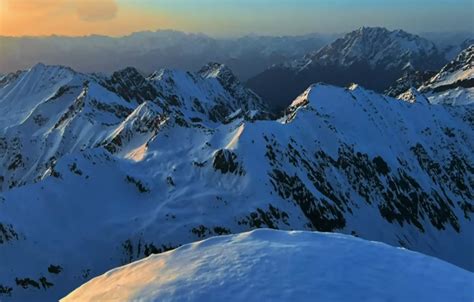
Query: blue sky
pixel 231 17
pixel 297 16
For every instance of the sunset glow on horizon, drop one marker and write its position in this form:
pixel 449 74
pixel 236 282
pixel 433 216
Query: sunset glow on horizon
pixel 225 17
pixel 74 18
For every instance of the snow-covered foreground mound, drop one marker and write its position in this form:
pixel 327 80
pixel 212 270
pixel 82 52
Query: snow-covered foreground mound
pixel 266 265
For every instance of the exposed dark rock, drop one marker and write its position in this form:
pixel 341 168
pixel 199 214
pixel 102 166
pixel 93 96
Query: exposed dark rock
pixel 142 188
pixel 225 161
pixel 55 269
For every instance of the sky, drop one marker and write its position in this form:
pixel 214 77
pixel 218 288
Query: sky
pixel 230 17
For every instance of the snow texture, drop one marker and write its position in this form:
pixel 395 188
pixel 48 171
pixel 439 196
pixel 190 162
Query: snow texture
pixel 267 265
pixel 100 171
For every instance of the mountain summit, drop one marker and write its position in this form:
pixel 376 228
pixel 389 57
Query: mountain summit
pixel 454 84
pixel 371 56
pixel 49 111
pixel 269 265
pixel 378 47
pixel 459 72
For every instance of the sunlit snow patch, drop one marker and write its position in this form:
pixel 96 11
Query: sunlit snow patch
pixel 267 265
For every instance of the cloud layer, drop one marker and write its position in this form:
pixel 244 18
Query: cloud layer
pixel 77 17
pixel 87 10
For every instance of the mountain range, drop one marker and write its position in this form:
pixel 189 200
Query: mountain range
pixel 370 56
pixel 147 51
pixel 98 171
pixel 152 50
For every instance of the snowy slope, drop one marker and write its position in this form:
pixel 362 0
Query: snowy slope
pixel 460 69
pixel 378 46
pixel 50 111
pixel 22 92
pixel 267 265
pixel 454 84
pixel 195 156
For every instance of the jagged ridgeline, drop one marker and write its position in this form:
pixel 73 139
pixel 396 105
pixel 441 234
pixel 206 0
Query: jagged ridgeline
pixel 98 171
pixel 370 56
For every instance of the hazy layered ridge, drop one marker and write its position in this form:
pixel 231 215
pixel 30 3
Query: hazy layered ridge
pixel 165 159
pixel 282 266
pixel 148 51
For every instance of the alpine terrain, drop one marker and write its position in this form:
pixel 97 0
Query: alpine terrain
pixel 98 171
pixel 370 56
pixel 454 84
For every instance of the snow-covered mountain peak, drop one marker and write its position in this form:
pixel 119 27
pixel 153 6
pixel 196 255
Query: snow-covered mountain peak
pixel 460 69
pixel 392 48
pixel 217 70
pixel 302 99
pixel 380 45
pixel 214 91
pixel 222 74
pixel 37 66
pixel 373 57
pixel 454 84
pixel 130 139
pixel 23 91
pixel 318 92
pixel 66 111
pixel 369 34
pixel 128 72
pixel 45 70
pixel 131 84
pixel 370 30
pixel 329 99
pixel 412 95
pixel 44 76
pixel 163 74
